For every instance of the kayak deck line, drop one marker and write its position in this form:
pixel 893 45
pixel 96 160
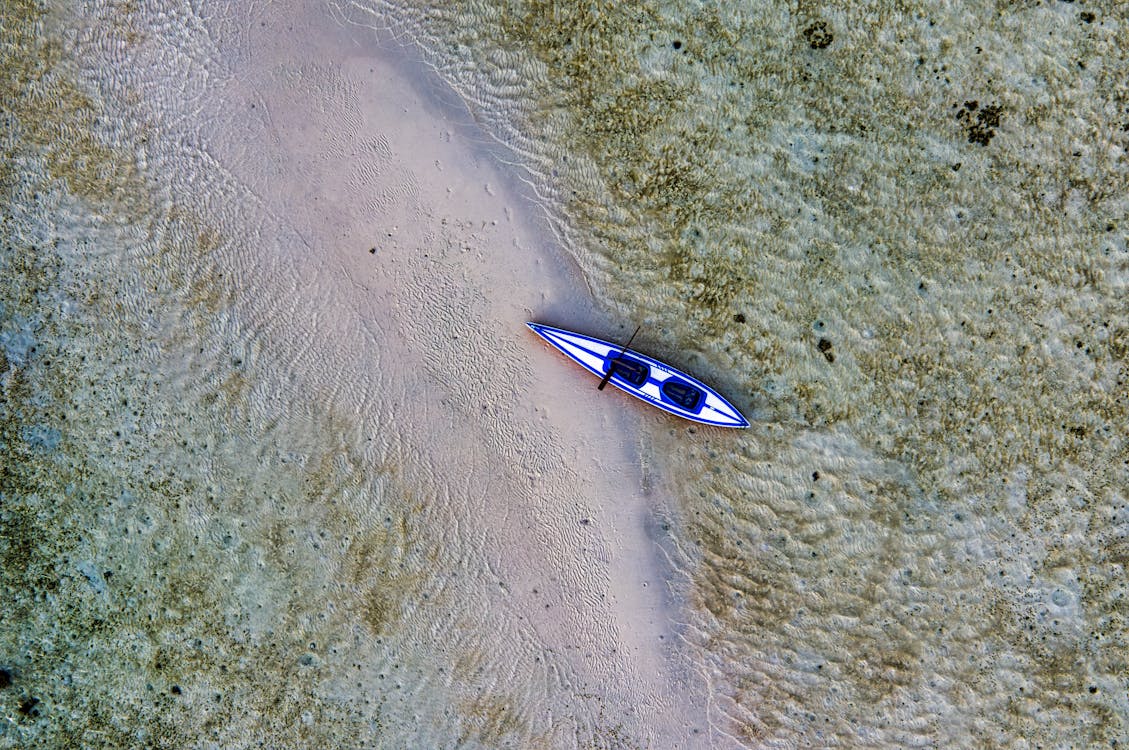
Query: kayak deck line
pixel 644 377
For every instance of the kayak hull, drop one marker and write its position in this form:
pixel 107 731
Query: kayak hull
pixel 645 378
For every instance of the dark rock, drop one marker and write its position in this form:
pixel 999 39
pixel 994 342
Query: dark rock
pixel 28 705
pixel 980 123
pixel 825 346
pixel 818 35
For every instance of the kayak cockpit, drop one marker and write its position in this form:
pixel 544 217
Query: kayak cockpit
pixel 674 391
pixel 630 370
pixel 681 394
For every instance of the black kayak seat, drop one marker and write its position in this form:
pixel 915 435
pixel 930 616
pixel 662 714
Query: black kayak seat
pixel 631 370
pixel 682 394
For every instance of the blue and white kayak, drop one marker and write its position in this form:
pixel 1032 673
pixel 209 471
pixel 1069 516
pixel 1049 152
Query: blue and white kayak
pixel 645 378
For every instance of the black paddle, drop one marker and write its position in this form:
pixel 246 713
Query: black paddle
pixel 611 365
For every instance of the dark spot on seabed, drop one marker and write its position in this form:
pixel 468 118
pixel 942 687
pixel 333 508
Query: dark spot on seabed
pixel 5 678
pixel 980 123
pixel 739 318
pixel 825 346
pixel 818 35
pixel 28 706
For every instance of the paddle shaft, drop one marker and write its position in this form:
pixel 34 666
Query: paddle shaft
pixel 611 365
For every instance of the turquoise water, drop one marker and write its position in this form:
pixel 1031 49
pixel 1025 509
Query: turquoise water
pixel 895 237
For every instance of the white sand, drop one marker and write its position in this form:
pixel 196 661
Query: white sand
pixel 420 260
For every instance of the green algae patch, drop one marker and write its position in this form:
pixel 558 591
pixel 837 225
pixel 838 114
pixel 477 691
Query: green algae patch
pixel 64 122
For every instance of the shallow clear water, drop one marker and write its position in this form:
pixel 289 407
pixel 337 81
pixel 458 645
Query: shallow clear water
pixel 895 238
